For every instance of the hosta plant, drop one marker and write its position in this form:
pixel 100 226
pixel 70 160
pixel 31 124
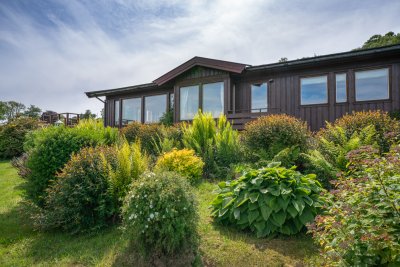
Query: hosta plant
pixel 268 201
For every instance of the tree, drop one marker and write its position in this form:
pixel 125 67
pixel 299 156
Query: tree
pixel 10 110
pixel 88 115
pixel 33 111
pixel 283 59
pixel 378 40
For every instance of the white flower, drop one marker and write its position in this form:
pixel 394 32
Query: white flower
pixel 151 206
pixel 130 217
pixel 151 215
pixel 146 226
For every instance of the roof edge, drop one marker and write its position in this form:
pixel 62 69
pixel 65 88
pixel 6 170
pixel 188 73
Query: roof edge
pixel 106 92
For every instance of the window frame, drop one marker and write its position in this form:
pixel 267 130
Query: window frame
pixel 117 123
pixel 389 69
pixel 347 87
pixel 122 107
pixel 266 81
pixel 326 74
pixel 144 105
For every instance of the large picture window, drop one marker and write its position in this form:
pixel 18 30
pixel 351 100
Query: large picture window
pixel 314 90
pixel 372 84
pixel 259 97
pixel 155 107
pixel 116 113
pixel 213 98
pixel 341 88
pixel 189 102
pixel 131 110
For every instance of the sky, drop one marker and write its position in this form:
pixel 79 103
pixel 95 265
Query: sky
pixel 51 52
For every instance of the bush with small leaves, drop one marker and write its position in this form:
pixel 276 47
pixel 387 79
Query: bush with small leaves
pixel 183 162
pixel 268 201
pixel 160 213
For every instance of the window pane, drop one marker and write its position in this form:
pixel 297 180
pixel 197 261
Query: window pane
pixel 372 84
pixel 189 102
pixel 155 107
pixel 259 97
pixel 171 100
pixel 131 110
pixel 213 98
pixel 314 90
pixel 116 113
pixel 341 94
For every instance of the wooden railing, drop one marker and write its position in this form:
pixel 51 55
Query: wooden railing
pixel 239 118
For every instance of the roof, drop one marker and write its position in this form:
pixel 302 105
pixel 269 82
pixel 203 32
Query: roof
pixel 337 57
pixel 204 62
pixel 238 68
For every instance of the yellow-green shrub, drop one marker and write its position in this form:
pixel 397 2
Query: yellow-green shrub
pixel 183 162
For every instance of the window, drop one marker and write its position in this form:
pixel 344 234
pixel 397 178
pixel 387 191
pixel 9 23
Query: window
pixel 155 107
pixel 213 98
pixel 314 90
pixel 259 97
pixel 116 113
pixel 131 110
pixel 341 88
pixel 372 84
pixel 189 102
pixel 171 100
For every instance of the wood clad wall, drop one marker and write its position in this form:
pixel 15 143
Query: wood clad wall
pixel 284 92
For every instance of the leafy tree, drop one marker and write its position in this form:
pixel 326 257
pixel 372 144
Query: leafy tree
pixel 10 110
pixel 88 115
pixel 378 40
pixel 33 111
pixel 283 59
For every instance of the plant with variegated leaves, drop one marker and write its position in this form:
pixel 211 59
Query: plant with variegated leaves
pixel 268 201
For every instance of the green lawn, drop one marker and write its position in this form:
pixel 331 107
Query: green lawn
pixel 21 246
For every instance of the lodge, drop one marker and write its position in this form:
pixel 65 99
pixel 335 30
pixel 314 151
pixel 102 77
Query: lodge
pixel 314 89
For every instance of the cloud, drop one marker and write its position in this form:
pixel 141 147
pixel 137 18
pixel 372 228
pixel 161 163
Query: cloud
pixel 52 53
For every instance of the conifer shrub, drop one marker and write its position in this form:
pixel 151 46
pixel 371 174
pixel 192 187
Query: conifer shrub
pixel 50 148
pixel 268 135
pixel 268 201
pixel 79 200
pixel 160 214
pixel 184 162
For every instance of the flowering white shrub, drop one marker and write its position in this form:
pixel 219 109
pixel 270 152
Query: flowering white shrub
pixel 160 212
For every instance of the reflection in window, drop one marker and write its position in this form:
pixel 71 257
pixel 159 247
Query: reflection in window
pixel 131 110
pixel 372 84
pixel 259 97
pixel 171 100
pixel 155 107
pixel 213 98
pixel 189 102
pixel 314 90
pixel 341 93
pixel 116 113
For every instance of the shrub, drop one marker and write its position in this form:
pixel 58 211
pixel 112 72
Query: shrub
pixel 79 199
pixel 12 136
pixel 160 213
pixel 268 201
pixel 167 118
pixel 339 144
pixel 131 162
pixel 360 225
pixel 387 129
pixel 50 148
pixel 149 135
pixel 217 144
pixel 184 162
pixel 268 135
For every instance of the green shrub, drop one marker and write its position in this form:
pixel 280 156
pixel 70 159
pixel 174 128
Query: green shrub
pixel 268 201
pixel 79 199
pixel 12 136
pixel 167 118
pixel 184 162
pixel 50 148
pixel 217 144
pixel 160 213
pixel 148 134
pixel 387 129
pixel 360 224
pixel 131 162
pixel 339 144
pixel 268 135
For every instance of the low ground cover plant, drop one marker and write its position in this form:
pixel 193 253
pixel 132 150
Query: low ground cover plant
pixel 49 149
pixel 184 162
pixel 12 136
pixel 160 214
pixel 268 201
pixel 360 225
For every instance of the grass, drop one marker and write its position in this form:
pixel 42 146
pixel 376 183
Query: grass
pixel 20 245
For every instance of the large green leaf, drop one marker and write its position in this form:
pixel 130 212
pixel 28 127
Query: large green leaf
pixel 298 204
pixel 274 190
pixel 227 202
pixel 236 213
pixel 254 197
pixel 283 203
pixel 265 212
pixel 292 211
pixel 253 215
pixel 279 217
pixel 306 217
pixel 260 226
